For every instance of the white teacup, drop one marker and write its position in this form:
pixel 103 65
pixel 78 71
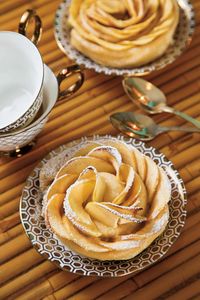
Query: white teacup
pixel 22 74
pixel 12 143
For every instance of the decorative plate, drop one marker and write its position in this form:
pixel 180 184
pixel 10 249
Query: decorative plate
pixel 48 245
pixel 182 39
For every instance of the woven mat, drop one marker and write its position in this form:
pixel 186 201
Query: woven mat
pixel 24 274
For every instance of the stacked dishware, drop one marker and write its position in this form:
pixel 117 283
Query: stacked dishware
pixel 28 88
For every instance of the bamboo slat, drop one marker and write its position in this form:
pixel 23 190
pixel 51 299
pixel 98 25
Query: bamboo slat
pixel 183 158
pixel 60 279
pixel 172 262
pixel 98 288
pixel 120 291
pixel 168 281
pixel 195 199
pixel 71 288
pixel 13 232
pixel 9 222
pixel 194 219
pixel 36 292
pixel 14 179
pixel 10 193
pixel 9 208
pixel 26 279
pixel 24 274
pixel 187 292
pixel 193 185
pixel 19 264
pixel 14 247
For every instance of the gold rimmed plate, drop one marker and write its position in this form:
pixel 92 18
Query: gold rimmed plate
pixel 182 39
pixel 48 244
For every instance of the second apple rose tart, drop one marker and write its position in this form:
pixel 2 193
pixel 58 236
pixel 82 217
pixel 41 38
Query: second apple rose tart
pixel 123 33
pixel 108 201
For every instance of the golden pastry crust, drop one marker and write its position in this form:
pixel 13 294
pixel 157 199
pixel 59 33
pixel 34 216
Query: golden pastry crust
pixel 108 201
pixel 123 33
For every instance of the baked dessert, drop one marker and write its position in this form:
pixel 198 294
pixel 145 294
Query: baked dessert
pixel 108 201
pixel 123 33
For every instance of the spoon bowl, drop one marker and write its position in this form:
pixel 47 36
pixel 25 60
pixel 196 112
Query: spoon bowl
pixel 142 127
pixel 134 125
pixel 144 94
pixel 151 99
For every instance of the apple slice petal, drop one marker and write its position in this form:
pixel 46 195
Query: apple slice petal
pixel 60 185
pixel 141 164
pixel 134 192
pixel 106 231
pixel 137 196
pixel 125 174
pixel 88 173
pixel 152 177
pixel 53 216
pixel 124 149
pixel 99 213
pixel 76 197
pixel 121 213
pixel 78 164
pixel 81 239
pixel 108 154
pixel 99 189
pixel 162 195
pixel 62 227
pixel 121 245
pixel 152 228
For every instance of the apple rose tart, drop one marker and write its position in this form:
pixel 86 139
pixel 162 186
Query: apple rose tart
pixel 123 33
pixel 108 201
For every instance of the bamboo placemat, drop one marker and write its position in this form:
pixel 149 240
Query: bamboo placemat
pixel 24 274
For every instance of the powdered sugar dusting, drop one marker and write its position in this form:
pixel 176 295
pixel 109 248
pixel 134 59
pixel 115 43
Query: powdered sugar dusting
pixel 86 170
pixel 66 205
pixel 158 225
pixel 69 213
pixel 75 223
pixel 67 208
pixel 128 146
pixel 130 180
pixel 113 151
pixel 132 207
pixel 54 164
pixel 123 216
pixel 122 245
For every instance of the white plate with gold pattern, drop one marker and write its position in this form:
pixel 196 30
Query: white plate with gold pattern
pixel 48 244
pixel 182 39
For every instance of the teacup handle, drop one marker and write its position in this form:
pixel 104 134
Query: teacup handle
pixel 66 73
pixel 27 15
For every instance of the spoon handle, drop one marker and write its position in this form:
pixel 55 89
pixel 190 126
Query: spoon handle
pixel 177 128
pixel 186 117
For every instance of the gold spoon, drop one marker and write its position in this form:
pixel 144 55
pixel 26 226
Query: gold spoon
pixel 142 127
pixel 151 99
